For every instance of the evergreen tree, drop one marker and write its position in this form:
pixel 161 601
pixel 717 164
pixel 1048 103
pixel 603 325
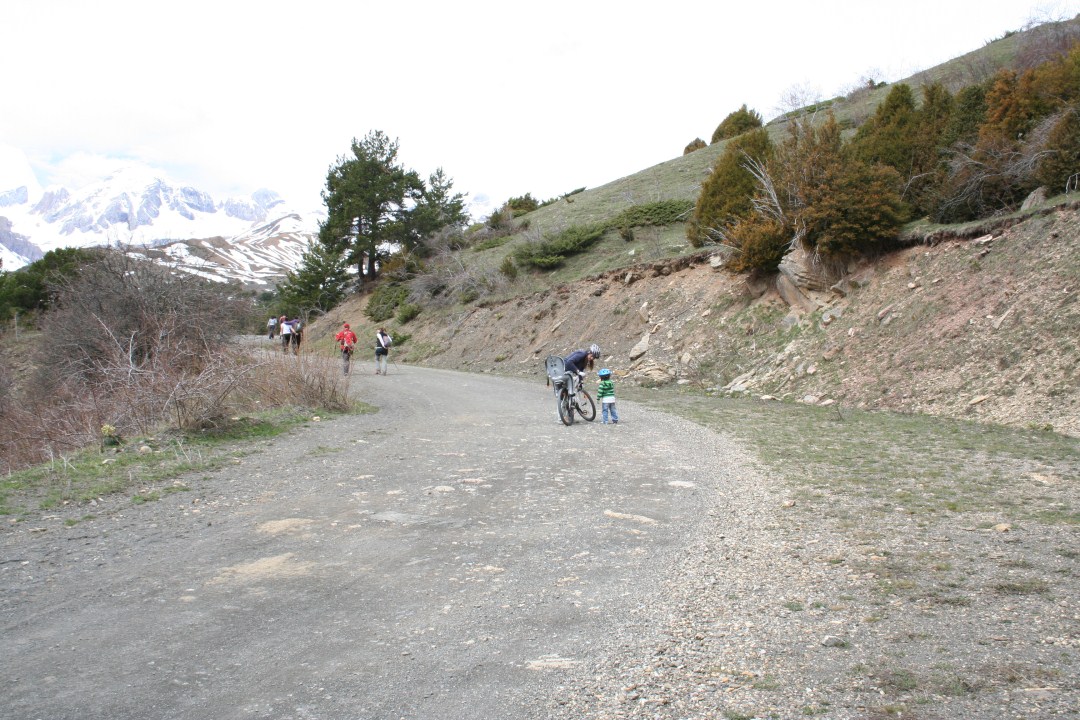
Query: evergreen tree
pixel 854 210
pixel 368 199
pixel 28 288
pixel 969 113
pixel 888 137
pixel 694 145
pixel 1061 160
pixel 736 123
pixel 318 284
pixel 1008 112
pixel 520 205
pixel 438 207
pixel 727 193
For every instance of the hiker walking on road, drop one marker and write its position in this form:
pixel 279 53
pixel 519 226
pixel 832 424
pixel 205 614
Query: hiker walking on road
pixel 382 350
pixel 297 334
pixel 347 341
pixel 286 333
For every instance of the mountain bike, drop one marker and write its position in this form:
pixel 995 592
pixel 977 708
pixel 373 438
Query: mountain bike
pixel 570 394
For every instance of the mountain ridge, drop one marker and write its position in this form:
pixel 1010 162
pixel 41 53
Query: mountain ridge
pixel 136 207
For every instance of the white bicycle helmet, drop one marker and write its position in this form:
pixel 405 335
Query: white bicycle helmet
pixel 595 350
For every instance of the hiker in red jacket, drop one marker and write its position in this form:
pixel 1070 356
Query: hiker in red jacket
pixel 347 341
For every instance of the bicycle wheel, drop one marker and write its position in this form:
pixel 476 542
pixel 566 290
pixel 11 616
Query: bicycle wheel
pixel 585 405
pixel 566 412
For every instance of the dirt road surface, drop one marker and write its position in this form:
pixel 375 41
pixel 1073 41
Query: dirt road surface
pixel 459 554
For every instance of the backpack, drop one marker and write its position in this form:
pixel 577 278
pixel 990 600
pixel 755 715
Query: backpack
pixel 297 326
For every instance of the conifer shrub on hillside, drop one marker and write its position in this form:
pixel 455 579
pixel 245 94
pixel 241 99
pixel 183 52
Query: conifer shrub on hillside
pixel 1017 143
pixel 810 192
pixel 520 205
pixel 696 144
pixel 736 123
pixel 550 253
pixel 855 210
pixel 384 301
pixel 657 214
pixel 1059 166
pixel 727 194
pixel 908 139
pixel 759 244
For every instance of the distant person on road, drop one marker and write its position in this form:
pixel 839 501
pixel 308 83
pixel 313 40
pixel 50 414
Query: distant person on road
pixel 606 395
pixel 286 333
pixel 271 327
pixel 297 334
pixel 346 341
pixel 382 350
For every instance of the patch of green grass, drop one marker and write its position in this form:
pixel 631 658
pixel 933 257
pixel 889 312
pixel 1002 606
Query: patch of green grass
pixel 900 680
pixel 1022 587
pixel 925 465
pixel 491 243
pixel 88 474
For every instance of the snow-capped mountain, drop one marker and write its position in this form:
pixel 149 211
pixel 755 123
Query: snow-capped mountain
pixel 254 240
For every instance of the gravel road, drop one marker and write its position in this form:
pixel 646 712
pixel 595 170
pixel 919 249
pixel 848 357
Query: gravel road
pixel 459 554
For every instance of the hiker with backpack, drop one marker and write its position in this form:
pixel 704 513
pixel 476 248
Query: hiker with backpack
pixel 347 341
pixel 297 334
pixel 382 350
pixel 286 333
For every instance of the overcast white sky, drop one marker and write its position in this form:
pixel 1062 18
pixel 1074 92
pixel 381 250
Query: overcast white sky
pixel 508 98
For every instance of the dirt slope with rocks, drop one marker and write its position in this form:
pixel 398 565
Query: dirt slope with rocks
pixel 981 323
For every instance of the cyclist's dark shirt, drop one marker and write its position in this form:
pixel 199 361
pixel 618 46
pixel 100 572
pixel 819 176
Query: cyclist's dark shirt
pixel 575 361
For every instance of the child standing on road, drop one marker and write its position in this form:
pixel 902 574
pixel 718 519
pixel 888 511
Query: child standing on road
pixel 606 394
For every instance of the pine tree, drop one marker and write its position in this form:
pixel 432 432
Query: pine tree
pixel 368 199
pixel 319 283
pixel 438 207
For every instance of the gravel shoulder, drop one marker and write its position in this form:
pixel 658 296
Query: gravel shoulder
pixel 461 554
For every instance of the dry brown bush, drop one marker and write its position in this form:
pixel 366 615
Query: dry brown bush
pixel 132 346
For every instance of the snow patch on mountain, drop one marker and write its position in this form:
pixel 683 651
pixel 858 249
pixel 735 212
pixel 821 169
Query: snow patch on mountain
pixel 253 240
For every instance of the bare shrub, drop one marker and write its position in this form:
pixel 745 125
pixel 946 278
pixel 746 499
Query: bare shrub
pixel 306 380
pixel 1046 41
pixel 131 345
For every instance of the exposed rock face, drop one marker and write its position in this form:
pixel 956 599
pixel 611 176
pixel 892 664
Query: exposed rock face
pixel 16 243
pixel 18 196
pixel 1037 197
pixel 804 271
pixel 964 328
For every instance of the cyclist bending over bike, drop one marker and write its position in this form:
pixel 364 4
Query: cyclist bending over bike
pixel 581 360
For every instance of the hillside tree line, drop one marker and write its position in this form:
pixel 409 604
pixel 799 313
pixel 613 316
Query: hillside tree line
pixel 947 157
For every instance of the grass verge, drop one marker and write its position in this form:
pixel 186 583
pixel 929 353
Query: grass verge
pixel 142 466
